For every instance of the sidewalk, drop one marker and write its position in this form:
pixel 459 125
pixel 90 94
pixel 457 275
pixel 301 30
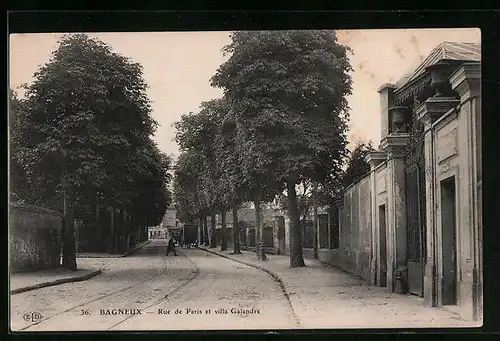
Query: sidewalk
pixel 112 255
pixel 89 265
pixel 326 297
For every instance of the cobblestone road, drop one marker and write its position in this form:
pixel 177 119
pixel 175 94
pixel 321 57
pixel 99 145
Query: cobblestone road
pixel 202 286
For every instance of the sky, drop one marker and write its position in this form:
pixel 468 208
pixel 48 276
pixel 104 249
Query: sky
pixel 178 66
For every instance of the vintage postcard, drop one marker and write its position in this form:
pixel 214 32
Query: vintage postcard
pixel 246 180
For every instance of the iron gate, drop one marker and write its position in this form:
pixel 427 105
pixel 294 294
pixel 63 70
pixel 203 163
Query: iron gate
pixel 415 213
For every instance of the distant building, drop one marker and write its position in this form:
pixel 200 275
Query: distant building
pixel 171 223
pixel 157 232
pixel 168 226
pixel 170 218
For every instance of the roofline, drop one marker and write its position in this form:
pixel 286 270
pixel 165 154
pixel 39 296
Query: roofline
pixel 441 47
pixel 423 74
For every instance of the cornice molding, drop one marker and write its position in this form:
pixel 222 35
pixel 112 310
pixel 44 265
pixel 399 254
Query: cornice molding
pixel 466 81
pixel 435 107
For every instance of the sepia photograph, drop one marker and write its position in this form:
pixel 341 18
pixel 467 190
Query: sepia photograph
pixel 245 180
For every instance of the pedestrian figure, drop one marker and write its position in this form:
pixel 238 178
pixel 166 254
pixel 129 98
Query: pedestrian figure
pixel 171 247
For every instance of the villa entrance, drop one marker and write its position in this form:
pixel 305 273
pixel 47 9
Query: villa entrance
pixel 415 213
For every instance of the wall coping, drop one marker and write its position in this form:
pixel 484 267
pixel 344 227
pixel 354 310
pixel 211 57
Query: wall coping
pixel 34 208
pixel 385 86
pixel 380 166
pixel 357 180
pixel 438 124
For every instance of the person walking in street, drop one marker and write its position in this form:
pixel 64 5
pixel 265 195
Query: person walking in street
pixel 171 247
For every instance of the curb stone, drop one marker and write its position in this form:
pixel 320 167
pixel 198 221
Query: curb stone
pixel 56 282
pixel 136 249
pixel 273 274
pixel 116 255
pixel 75 279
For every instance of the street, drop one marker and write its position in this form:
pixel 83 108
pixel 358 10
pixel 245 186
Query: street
pixel 148 291
pixel 301 214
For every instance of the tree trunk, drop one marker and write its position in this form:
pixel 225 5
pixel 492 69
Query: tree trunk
pixel 143 234
pixel 301 219
pixel 119 229
pixel 223 246
pixel 127 228
pixel 205 231
pixel 236 232
pixel 200 231
pixel 315 218
pixel 213 226
pixel 69 252
pixel 99 233
pixel 112 231
pixel 296 259
pixel 259 231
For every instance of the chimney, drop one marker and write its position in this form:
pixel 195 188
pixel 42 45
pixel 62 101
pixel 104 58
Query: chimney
pixel 386 92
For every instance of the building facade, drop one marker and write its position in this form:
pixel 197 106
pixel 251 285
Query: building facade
pixel 157 232
pixel 426 182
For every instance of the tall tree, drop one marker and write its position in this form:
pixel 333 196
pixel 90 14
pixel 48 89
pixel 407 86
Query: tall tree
pixel 18 191
pixel 90 129
pixel 231 185
pixel 195 135
pixel 289 91
pixel 184 188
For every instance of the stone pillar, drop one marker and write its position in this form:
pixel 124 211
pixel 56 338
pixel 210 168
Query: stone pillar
pixel 374 159
pixel 466 82
pixel 394 138
pixel 430 271
pixel 394 145
pixel 428 113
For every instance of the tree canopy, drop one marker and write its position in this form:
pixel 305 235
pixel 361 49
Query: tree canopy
pixel 86 133
pixel 288 91
pixel 357 166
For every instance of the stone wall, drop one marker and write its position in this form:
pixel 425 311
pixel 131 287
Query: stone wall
pixel 354 252
pixel 35 238
pixel 246 219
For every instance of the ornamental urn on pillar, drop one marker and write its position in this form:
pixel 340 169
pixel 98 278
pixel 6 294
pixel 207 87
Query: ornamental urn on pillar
pixel 399 119
pixel 439 79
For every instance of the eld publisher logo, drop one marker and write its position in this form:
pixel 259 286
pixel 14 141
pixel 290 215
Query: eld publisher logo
pixel 32 317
